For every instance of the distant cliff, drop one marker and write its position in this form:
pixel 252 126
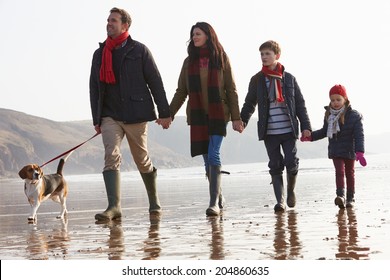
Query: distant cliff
pixel 29 139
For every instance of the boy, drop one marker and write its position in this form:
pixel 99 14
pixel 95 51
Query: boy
pixel 281 105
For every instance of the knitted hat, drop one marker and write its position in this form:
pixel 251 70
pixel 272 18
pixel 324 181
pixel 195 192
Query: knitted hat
pixel 340 90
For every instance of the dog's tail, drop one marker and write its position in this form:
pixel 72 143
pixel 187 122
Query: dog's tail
pixel 61 164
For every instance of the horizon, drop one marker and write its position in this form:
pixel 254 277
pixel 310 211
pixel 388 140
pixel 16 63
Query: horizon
pixel 90 119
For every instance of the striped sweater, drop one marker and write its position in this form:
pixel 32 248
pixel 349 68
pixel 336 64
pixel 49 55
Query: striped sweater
pixel 278 120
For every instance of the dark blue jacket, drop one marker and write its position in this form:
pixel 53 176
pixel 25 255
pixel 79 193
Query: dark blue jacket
pixel 258 95
pixel 350 138
pixel 140 85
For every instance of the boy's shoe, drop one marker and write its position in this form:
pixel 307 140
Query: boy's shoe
pixel 279 207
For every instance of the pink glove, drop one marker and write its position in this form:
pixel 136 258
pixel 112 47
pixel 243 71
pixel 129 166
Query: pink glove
pixel 361 159
pixel 306 139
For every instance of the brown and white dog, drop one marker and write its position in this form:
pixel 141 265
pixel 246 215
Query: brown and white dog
pixel 39 187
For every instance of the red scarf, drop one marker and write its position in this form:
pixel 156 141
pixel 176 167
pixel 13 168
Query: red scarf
pixel 275 77
pixel 106 72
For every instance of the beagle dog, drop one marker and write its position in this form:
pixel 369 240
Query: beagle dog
pixel 39 187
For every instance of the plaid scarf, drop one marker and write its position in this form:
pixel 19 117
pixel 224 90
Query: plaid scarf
pixel 106 72
pixel 275 77
pixel 204 124
pixel 333 121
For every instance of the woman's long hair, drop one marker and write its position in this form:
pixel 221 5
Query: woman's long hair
pixel 217 53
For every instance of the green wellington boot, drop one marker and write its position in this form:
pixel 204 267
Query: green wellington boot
pixel 221 199
pixel 151 188
pixel 113 189
pixel 215 190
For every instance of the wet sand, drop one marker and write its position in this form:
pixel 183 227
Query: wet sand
pixel 248 229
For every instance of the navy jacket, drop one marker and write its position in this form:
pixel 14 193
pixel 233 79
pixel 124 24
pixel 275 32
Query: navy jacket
pixel 140 85
pixel 350 138
pixel 258 95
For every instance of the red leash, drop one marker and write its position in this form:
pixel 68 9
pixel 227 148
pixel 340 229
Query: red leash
pixel 67 152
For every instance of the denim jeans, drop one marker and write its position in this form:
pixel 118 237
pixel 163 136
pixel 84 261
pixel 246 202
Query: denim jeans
pixel 213 155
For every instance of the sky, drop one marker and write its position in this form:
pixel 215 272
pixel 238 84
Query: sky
pixel 47 47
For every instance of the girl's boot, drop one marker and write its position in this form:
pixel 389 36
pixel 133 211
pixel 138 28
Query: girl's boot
pixel 350 199
pixel 340 199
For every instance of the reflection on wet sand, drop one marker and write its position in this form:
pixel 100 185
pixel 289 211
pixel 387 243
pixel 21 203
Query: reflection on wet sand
pixel 286 243
pixel 248 230
pixel 152 246
pixel 115 241
pixel 47 245
pixel 217 241
pixel 348 236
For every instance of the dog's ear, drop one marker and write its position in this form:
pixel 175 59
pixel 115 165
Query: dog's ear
pixel 39 169
pixel 23 172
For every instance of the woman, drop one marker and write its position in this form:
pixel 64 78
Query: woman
pixel 206 78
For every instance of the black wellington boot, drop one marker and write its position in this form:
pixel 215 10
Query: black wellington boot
pixel 291 180
pixel 277 182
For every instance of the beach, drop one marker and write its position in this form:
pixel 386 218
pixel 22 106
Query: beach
pixel 248 229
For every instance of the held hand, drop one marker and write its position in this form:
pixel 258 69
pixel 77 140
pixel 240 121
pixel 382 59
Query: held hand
pixel 165 122
pixel 306 133
pixel 306 139
pixel 361 159
pixel 238 126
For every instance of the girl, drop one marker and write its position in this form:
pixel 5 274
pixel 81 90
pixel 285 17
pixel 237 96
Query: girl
pixel 344 129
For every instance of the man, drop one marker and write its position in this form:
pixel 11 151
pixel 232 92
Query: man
pixel 124 83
